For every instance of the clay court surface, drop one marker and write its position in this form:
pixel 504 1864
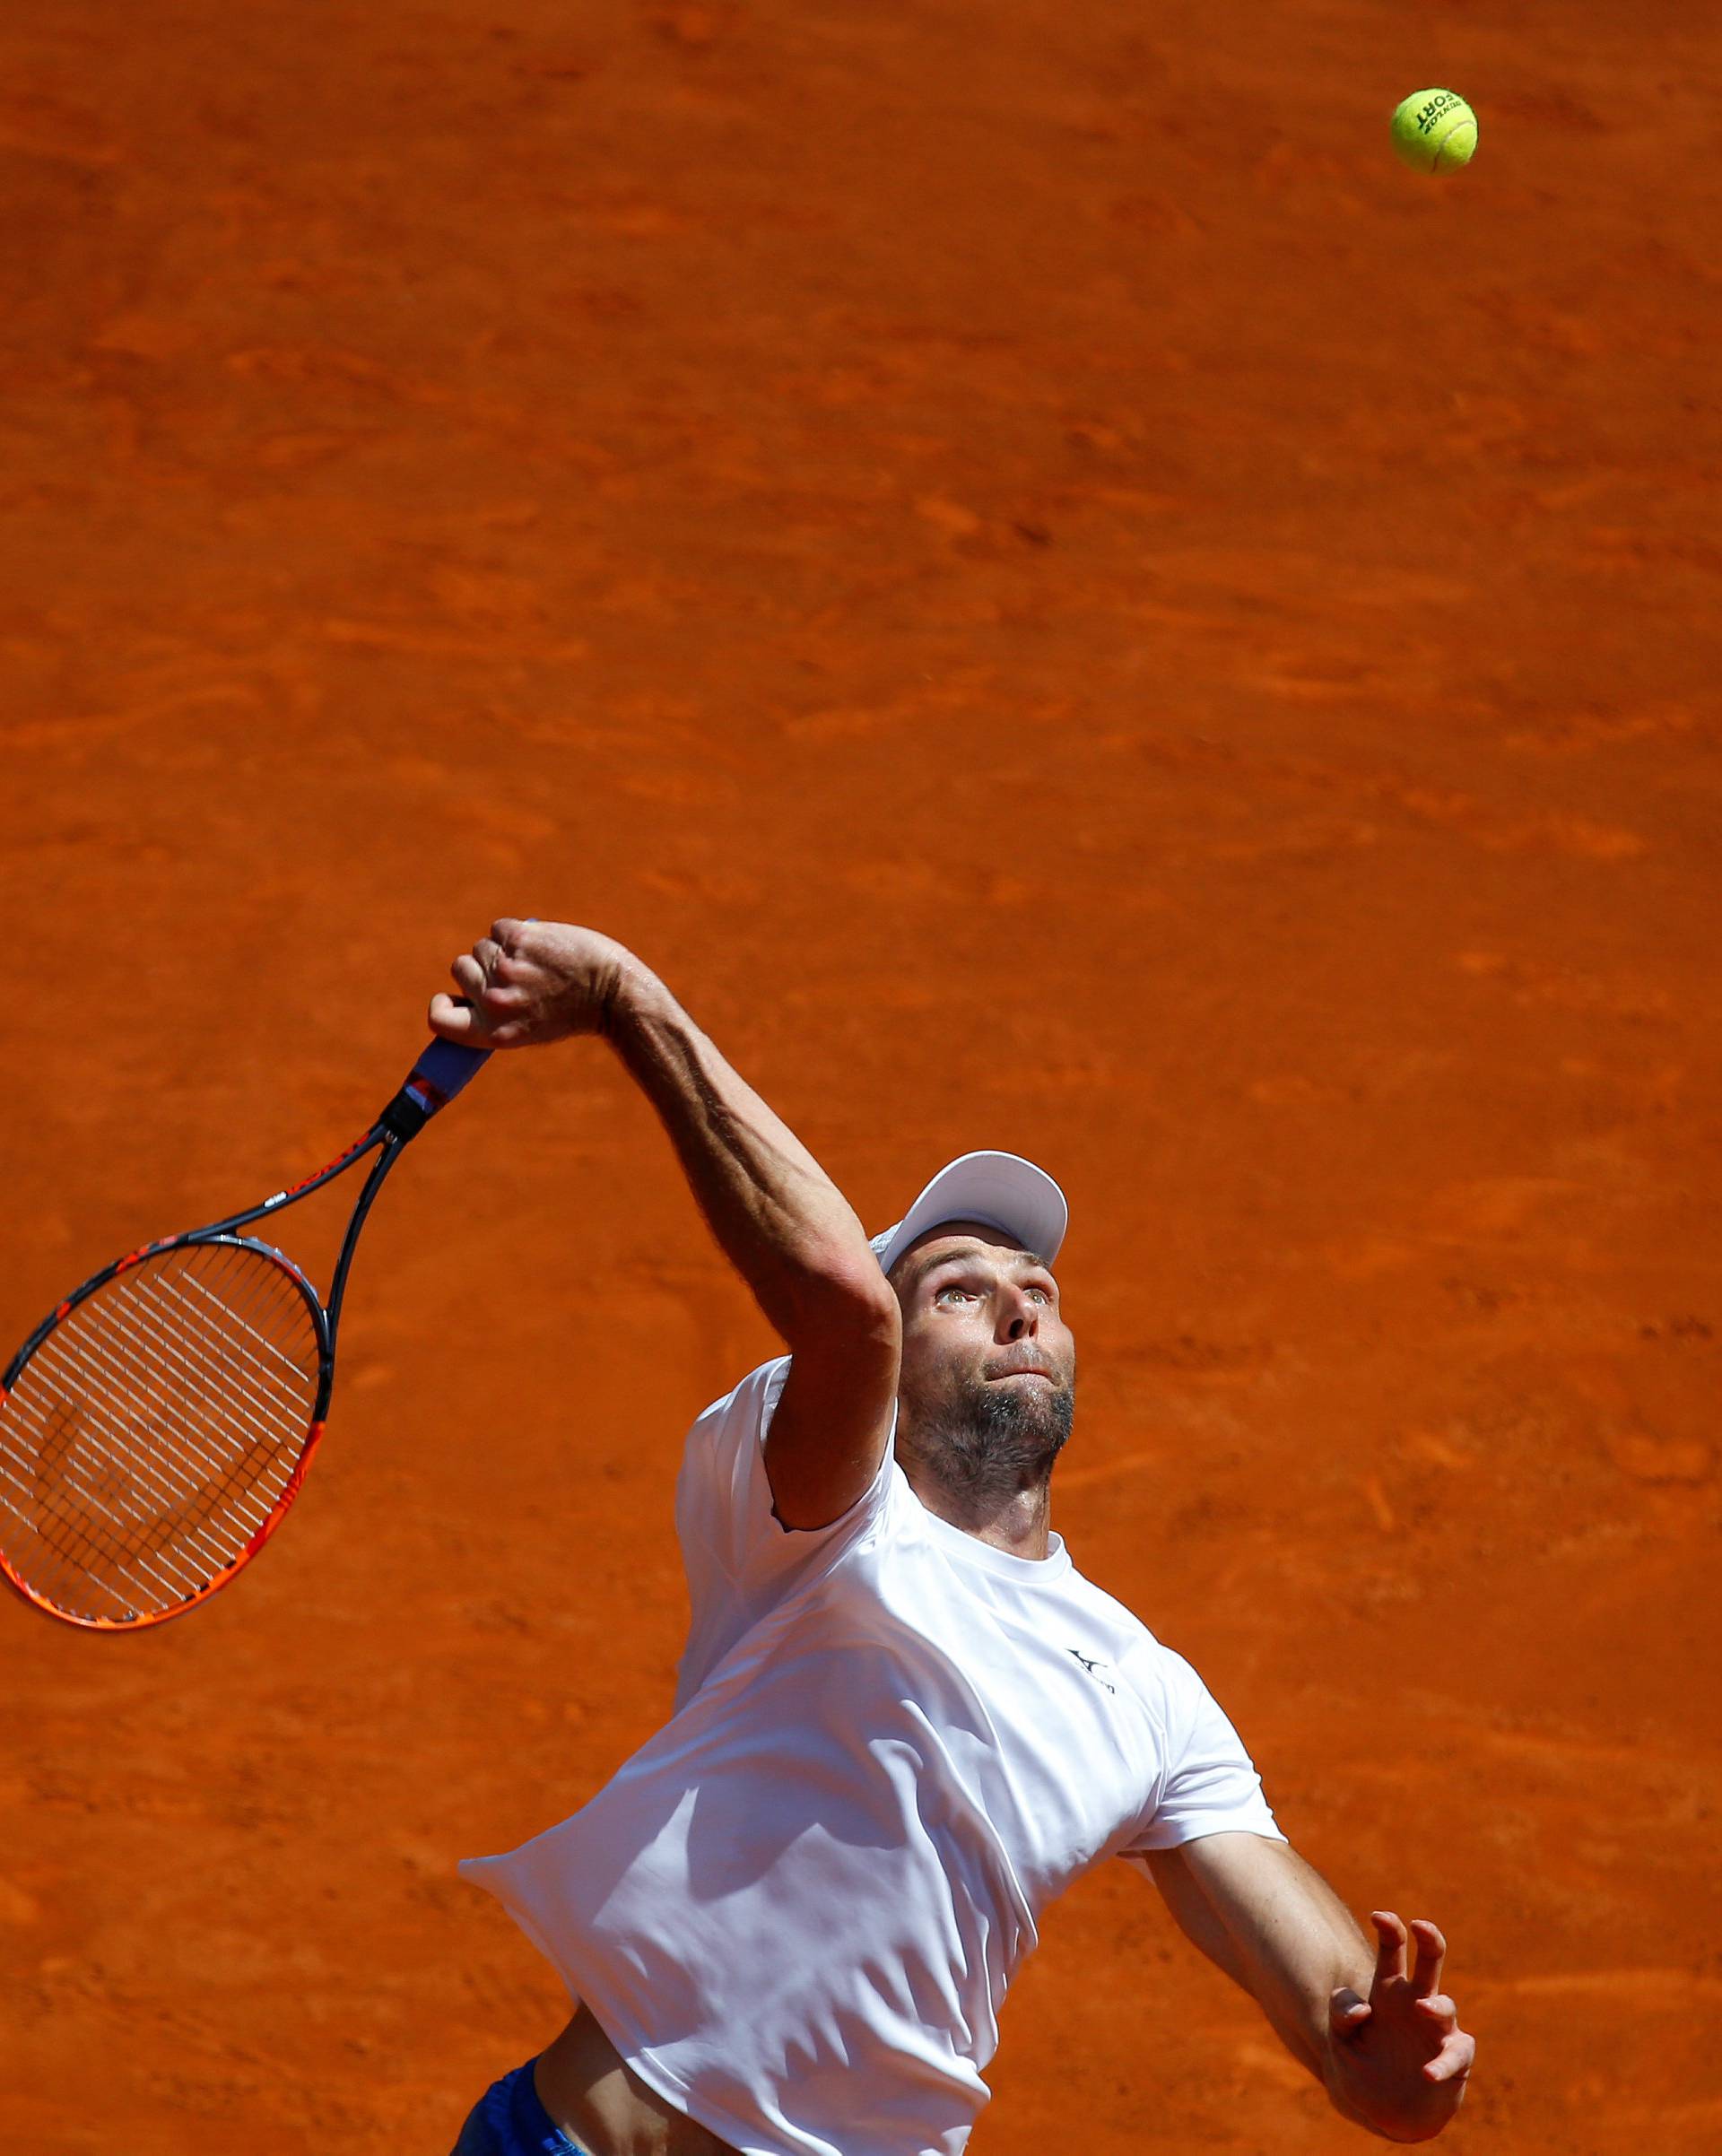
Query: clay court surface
pixel 1065 601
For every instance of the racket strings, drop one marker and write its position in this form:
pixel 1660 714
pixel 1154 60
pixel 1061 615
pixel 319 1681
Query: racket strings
pixel 127 1478
pixel 157 1428
pixel 149 1369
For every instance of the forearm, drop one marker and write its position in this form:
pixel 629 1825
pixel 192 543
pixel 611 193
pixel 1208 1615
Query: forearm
pixel 1394 2062
pixel 1274 1925
pixel 1294 1953
pixel 778 1217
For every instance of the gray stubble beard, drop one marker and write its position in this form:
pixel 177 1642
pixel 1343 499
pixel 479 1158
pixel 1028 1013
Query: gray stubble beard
pixel 986 1442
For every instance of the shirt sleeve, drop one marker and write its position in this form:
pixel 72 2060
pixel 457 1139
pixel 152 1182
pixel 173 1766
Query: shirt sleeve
pixel 1208 1783
pixel 739 1558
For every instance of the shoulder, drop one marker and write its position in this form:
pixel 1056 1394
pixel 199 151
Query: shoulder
pixel 1134 1647
pixel 1170 1687
pixel 756 1393
pixel 1154 1669
pixel 1158 1680
pixel 721 1455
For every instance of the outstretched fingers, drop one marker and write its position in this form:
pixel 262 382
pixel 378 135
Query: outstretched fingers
pixel 1432 1954
pixel 1389 1948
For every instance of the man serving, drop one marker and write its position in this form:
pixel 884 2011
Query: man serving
pixel 904 1722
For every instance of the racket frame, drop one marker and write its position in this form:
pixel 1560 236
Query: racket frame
pixel 440 1072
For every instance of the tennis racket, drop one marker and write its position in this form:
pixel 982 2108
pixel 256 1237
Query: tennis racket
pixel 155 1429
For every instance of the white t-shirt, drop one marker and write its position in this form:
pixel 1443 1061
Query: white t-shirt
pixel 796 1910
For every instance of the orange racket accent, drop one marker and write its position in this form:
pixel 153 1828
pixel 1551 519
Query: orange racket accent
pixel 191 1601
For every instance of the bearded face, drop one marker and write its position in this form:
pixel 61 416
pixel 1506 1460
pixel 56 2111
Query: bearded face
pixel 988 1391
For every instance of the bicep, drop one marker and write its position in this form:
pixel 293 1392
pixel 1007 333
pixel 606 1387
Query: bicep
pixel 833 1421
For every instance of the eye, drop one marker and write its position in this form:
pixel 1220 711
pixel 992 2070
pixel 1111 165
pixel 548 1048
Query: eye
pixel 945 1293
pixel 1041 1295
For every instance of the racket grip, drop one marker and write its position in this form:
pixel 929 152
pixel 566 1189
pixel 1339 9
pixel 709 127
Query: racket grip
pixel 432 1083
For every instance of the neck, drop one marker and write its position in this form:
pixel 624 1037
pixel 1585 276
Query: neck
pixel 1018 1523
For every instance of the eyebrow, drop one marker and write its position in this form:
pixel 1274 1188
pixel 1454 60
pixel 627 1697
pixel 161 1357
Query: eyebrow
pixel 968 1256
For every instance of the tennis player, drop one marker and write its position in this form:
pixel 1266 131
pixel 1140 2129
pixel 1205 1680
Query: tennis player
pixel 904 1722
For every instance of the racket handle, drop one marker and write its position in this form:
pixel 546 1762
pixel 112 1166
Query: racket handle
pixel 432 1083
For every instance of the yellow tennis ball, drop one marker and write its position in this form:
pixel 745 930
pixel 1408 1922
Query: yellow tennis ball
pixel 1435 131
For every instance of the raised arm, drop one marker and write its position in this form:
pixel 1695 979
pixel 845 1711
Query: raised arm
pixel 778 1217
pixel 1384 2044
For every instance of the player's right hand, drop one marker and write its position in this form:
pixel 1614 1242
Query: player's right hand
pixel 529 983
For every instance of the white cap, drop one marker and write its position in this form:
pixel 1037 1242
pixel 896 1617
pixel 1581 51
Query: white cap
pixel 1000 1189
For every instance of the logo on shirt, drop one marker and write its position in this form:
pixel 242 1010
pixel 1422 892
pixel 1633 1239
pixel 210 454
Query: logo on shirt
pixel 1094 1669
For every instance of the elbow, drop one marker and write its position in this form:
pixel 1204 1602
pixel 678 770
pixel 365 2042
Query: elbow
pixel 843 1294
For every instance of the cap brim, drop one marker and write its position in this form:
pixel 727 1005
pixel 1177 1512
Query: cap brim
pixel 999 1189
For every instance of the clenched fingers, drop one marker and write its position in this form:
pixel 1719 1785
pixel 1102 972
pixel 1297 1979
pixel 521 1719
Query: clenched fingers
pixel 485 983
pixel 452 1018
pixel 1453 2061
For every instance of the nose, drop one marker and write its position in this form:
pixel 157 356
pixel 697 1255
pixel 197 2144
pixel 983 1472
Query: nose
pixel 1021 1318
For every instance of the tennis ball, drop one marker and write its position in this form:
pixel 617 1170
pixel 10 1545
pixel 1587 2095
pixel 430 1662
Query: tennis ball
pixel 1435 131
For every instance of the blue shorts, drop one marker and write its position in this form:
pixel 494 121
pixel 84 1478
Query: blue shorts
pixel 509 2120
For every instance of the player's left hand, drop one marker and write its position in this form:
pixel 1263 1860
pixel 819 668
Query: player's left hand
pixel 1398 2060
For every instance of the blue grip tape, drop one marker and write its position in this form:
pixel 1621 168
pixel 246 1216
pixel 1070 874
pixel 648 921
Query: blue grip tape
pixel 440 1072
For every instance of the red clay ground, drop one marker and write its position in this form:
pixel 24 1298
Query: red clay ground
pixel 1065 601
